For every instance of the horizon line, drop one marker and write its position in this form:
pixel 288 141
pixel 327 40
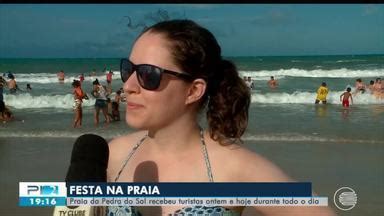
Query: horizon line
pixel 236 56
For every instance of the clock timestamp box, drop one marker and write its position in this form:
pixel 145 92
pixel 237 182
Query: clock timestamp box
pixel 42 201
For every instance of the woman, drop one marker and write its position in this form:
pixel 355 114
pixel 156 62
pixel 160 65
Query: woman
pixel 100 94
pixel 78 95
pixel 174 71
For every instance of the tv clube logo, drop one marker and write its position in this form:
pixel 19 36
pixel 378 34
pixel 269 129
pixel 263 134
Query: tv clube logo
pixel 345 198
pixel 43 190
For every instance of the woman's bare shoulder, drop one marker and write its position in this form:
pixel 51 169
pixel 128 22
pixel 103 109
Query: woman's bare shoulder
pixel 126 140
pixel 119 149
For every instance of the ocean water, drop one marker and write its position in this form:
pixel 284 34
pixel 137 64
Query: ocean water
pixel 272 113
pixel 325 144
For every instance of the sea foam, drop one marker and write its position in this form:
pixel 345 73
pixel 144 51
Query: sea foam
pixel 294 72
pixel 25 100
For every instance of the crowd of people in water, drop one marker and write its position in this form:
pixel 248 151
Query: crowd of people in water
pixel 103 102
pixel 110 107
pixel 272 83
pixel 375 88
pixel 102 93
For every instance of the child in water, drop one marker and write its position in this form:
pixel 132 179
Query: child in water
pixel 322 93
pixel 115 111
pixel 344 98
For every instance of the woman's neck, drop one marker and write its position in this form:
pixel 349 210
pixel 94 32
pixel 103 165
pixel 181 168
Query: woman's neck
pixel 177 137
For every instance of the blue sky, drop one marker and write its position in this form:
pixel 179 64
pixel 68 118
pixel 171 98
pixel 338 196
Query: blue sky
pixel 92 31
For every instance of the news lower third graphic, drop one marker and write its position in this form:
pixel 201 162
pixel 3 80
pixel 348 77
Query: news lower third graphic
pixel 345 198
pixel 35 194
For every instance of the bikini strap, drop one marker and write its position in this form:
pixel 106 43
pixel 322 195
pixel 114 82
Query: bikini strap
pixel 205 153
pixel 130 155
pixel 203 146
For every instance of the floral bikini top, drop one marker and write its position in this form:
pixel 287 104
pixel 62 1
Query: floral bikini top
pixel 185 211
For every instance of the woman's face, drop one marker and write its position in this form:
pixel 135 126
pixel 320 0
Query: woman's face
pixel 148 109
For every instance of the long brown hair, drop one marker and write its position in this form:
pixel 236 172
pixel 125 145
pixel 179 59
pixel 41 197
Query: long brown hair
pixel 196 51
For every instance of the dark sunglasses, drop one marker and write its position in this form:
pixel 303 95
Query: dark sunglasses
pixel 148 76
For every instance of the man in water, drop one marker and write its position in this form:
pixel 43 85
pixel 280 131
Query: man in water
pixel 12 84
pixel 378 89
pixel 377 85
pixel 249 83
pixel 61 76
pixel 109 82
pixel 322 93
pixel 272 82
pixel 370 86
pixel 359 86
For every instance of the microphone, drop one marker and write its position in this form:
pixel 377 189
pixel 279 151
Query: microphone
pixel 89 162
pixel 89 159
